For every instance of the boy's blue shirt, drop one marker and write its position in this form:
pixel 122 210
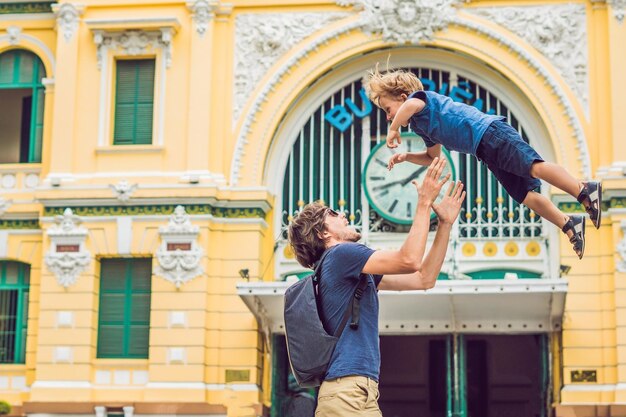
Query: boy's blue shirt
pixel 358 351
pixel 456 126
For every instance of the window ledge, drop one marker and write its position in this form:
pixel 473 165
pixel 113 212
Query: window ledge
pixel 154 23
pixel 116 149
pixel 12 368
pixel 120 362
pixel 21 167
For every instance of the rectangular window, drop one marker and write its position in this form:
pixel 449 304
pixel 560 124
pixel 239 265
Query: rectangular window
pixel 124 317
pixel 134 102
pixel 14 290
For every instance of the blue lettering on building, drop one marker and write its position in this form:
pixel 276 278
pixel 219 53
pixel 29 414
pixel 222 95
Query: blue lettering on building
pixel 340 118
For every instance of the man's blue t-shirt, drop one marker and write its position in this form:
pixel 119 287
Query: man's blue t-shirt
pixel 456 126
pixel 358 351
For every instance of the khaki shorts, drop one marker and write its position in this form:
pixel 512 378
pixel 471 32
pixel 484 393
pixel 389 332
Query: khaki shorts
pixel 348 396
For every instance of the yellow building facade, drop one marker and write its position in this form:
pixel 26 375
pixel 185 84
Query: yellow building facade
pixel 152 154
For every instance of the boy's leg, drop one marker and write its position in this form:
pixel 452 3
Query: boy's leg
pixel 589 194
pixel 557 176
pixel 572 226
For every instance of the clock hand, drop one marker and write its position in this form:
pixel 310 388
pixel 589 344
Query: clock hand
pixel 413 175
pixel 387 185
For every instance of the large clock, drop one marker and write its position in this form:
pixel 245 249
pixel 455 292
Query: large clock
pixel 391 193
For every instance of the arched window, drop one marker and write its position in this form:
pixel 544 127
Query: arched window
pixel 14 291
pixel 21 107
pixel 326 162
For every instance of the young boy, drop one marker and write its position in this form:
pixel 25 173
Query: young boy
pixel 459 127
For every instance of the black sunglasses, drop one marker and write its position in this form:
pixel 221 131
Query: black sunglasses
pixel 332 212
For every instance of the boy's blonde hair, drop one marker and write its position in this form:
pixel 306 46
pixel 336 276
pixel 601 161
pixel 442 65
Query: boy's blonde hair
pixel 391 83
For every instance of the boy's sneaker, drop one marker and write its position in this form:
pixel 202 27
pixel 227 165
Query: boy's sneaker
pixel 591 194
pixel 576 224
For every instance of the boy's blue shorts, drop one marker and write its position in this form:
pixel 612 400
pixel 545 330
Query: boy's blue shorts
pixel 506 154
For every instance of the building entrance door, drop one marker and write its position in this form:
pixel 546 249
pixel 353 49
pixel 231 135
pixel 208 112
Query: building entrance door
pixel 464 376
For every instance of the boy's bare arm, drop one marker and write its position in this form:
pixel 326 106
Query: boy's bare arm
pixel 406 110
pixel 420 158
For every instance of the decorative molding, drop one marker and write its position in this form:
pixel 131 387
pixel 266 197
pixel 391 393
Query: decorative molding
pixel 68 18
pixel 4 205
pixel 15 34
pixel 68 256
pixel 133 43
pixel 260 41
pixel 163 210
pixel 179 255
pixel 26 7
pixel 28 41
pixel 19 224
pixel 621 248
pixel 123 190
pixel 404 21
pixel 618 7
pixel 554 30
pixel 202 12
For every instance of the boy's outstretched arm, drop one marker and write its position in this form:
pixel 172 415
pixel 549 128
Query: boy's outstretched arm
pixel 401 118
pixel 420 158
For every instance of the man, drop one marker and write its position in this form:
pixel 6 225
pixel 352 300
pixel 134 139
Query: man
pixel 350 386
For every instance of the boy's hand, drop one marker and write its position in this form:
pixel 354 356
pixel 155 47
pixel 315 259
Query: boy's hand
pixel 396 159
pixel 449 207
pixel 430 188
pixel 393 136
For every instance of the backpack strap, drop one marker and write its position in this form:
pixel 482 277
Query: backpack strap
pixel 354 307
pixel 356 301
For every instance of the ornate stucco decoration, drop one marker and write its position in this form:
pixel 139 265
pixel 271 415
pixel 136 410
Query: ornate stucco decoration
pixel 134 42
pixel 202 12
pixel 404 21
pixel 350 25
pixel 179 254
pixel 555 31
pixel 123 190
pixel 261 39
pixel 618 7
pixel 4 205
pixel 14 33
pixel 67 257
pixel 68 18
pixel 621 249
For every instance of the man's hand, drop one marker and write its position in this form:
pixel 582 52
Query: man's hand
pixel 431 186
pixel 396 159
pixel 393 136
pixel 449 207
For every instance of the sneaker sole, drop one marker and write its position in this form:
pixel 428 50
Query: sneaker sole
pixel 599 219
pixel 582 235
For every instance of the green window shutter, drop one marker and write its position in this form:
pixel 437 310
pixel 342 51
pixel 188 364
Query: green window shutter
pixel 24 70
pixel 134 102
pixel 7 65
pixel 124 316
pixel 14 290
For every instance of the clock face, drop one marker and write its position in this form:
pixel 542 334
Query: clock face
pixel 391 193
